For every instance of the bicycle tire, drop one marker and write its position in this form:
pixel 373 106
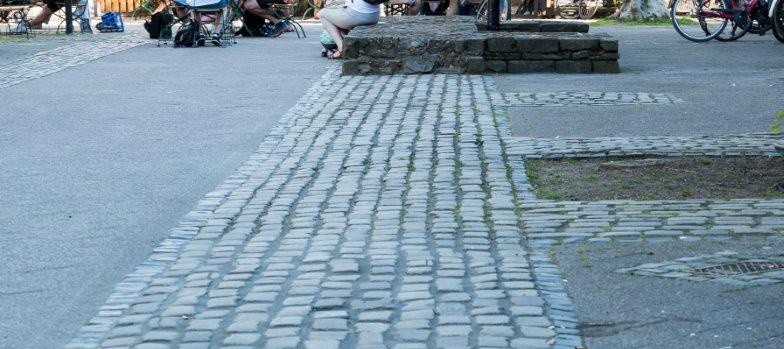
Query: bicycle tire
pixel 733 28
pixel 567 12
pixel 778 21
pixel 587 8
pixel 700 20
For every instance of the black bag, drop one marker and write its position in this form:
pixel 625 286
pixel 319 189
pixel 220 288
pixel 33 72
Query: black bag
pixel 159 24
pixel 253 25
pixel 376 2
pixel 188 36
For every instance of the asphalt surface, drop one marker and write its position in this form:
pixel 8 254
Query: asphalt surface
pixel 629 311
pixel 731 87
pixel 99 161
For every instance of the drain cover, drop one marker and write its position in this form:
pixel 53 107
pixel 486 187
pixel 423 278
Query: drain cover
pixel 740 268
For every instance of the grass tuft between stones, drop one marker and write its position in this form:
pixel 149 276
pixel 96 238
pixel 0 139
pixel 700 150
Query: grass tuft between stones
pixel 674 178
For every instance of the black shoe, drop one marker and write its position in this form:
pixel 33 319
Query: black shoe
pixel 201 40
pixel 279 29
pixel 216 40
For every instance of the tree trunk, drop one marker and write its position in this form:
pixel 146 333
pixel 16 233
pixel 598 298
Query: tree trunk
pixel 641 9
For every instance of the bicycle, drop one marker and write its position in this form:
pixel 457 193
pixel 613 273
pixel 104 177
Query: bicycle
pixel 573 9
pixel 776 14
pixel 752 19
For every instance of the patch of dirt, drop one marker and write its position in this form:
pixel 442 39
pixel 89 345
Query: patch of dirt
pixel 673 178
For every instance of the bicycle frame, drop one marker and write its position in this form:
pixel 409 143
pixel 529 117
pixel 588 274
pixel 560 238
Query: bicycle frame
pixel 725 15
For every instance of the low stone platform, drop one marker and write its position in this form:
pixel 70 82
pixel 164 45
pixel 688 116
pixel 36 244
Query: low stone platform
pixel 420 45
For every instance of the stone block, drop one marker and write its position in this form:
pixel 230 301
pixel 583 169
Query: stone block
pixel 350 67
pixel 553 26
pixel 572 67
pixel 418 65
pixel 584 54
pixel 475 65
pixel 495 66
pixel 546 56
pixel 520 26
pixel 606 67
pixel 537 44
pixel 506 56
pixel 474 47
pixel 579 43
pixel 501 44
pixel 608 44
pixel 605 56
pixel 525 66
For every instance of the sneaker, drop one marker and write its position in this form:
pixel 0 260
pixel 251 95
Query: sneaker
pixel 266 29
pixel 21 28
pixel 216 39
pixel 279 29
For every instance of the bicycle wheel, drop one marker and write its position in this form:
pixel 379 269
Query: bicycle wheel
pixel 481 12
pixel 698 20
pixel 588 8
pixel 778 21
pixel 568 9
pixel 736 29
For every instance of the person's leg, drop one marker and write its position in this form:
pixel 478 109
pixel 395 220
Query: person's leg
pixel 47 11
pixel 452 9
pixel 255 8
pixel 414 6
pixel 327 17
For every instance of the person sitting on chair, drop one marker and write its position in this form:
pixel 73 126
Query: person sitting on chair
pixel 262 9
pixel 337 21
pixel 50 7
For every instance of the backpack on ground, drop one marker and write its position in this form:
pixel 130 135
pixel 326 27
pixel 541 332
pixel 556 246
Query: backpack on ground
pixel 188 36
pixel 111 22
pixel 158 25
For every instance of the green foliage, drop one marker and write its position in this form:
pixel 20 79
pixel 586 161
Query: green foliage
pixel 776 128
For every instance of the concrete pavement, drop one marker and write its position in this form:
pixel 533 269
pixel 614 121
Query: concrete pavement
pixel 99 161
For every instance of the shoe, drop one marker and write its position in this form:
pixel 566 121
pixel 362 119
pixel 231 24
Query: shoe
pixel 216 40
pixel 21 28
pixel 279 29
pixel 266 29
pixel 201 39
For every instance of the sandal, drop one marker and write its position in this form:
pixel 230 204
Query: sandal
pixel 335 55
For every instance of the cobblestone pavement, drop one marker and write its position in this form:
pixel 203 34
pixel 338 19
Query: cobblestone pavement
pixel 70 55
pixel 725 145
pixel 371 217
pixel 581 99
pixel 550 222
pixel 382 212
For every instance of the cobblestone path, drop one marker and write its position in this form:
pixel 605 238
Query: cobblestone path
pixel 581 99
pixel 57 59
pixel 378 214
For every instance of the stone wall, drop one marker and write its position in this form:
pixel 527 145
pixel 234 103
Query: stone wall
pixel 419 45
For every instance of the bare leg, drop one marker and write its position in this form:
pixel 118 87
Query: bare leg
pixel 253 7
pixel 414 7
pixel 42 17
pixel 336 33
pixel 452 9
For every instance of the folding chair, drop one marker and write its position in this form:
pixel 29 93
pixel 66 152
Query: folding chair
pixel 81 16
pixel 194 9
pixel 286 12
